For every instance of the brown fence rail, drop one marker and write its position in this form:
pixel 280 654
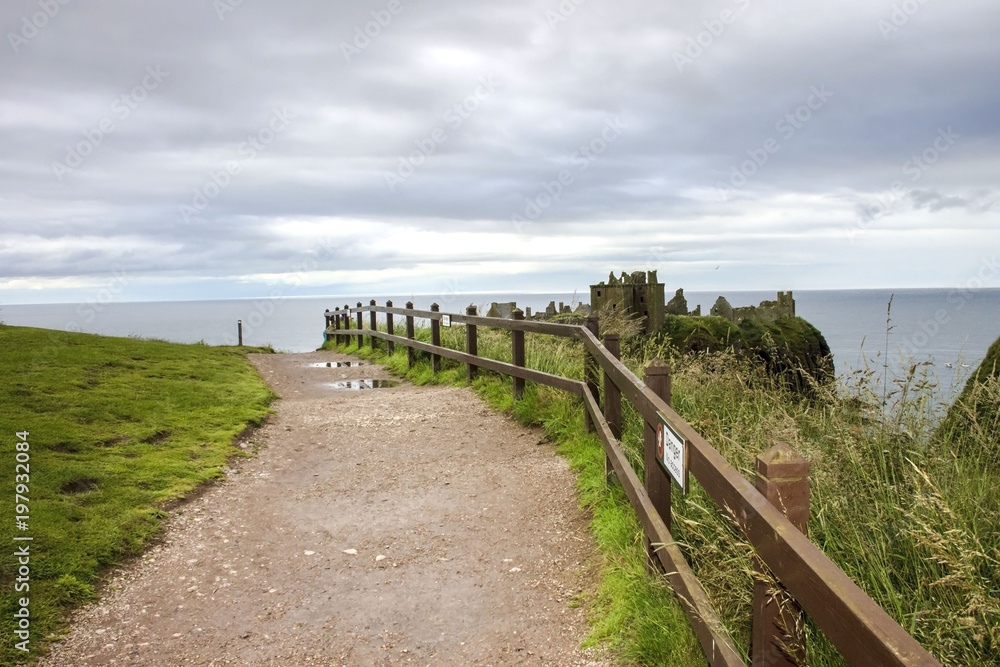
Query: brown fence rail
pixel 856 625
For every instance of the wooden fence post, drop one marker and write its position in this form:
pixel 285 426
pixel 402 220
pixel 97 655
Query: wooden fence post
pixel 590 371
pixel 361 338
pixel 777 639
pixel 410 356
pixel 471 345
pixel 435 338
pixel 336 325
pixel 389 345
pixel 518 353
pixel 655 479
pixel 374 322
pixel 347 323
pixel 612 400
pixel 239 331
pixel 329 324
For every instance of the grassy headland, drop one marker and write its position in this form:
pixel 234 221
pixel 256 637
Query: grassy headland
pixel 116 427
pixel 909 511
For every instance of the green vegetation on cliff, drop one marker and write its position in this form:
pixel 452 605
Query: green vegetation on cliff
pixel 789 348
pixel 974 419
pixel 116 428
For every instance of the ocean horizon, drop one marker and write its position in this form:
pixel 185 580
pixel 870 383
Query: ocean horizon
pixel 949 329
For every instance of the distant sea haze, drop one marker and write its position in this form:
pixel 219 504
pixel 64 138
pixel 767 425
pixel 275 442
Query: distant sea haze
pixel 951 328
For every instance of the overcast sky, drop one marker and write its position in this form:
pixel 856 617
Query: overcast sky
pixel 202 149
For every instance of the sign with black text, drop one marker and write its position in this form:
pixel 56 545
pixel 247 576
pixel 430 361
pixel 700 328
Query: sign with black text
pixel 671 452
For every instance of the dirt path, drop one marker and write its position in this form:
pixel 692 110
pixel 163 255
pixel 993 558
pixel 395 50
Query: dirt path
pixel 410 525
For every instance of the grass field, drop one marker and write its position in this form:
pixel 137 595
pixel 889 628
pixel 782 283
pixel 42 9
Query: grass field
pixel 911 512
pixel 116 428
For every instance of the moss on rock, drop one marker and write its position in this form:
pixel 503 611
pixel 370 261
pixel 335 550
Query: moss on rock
pixel 789 347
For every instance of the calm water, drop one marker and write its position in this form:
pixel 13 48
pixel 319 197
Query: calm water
pixel 943 326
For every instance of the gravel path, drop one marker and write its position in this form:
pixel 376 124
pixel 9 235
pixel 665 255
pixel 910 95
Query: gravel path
pixel 410 525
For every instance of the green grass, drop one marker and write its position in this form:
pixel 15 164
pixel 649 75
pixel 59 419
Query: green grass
pixel 118 428
pixel 909 510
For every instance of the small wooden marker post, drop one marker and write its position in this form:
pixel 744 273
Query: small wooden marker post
pixel 347 323
pixel 336 325
pixel 656 480
pixel 239 331
pixel 435 338
pixel 777 639
pixel 373 320
pixel 389 345
pixel 518 353
pixel 361 325
pixel 590 371
pixel 471 345
pixel 612 400
pixel 410 357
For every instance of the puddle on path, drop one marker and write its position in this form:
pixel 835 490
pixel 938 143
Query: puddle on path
pixel 338 364
pixel 363 384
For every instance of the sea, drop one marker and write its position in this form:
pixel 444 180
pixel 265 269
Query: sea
pixel 947 330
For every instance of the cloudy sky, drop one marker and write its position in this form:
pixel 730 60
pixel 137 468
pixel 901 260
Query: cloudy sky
pixel 218 148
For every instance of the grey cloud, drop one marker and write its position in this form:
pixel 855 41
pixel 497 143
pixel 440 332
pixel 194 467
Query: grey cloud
pixel 559 84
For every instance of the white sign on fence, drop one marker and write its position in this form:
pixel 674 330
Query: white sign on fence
pixel 672 452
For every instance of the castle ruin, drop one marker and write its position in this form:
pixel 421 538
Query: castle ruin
pixel 767 311
pixel 639 294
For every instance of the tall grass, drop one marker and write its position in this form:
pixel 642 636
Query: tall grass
pixel 910 511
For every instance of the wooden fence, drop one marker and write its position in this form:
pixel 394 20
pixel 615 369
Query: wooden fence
pixel 772 513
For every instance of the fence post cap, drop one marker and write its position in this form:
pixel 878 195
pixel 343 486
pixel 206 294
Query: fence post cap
pixel 409 305
pixel 435 307
pixel 388 303
pixel 612 336
pixel 517 314
pixel 359 304
pixel 657 367
pixel 372 303
pixel 782 462
pixel 471 309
